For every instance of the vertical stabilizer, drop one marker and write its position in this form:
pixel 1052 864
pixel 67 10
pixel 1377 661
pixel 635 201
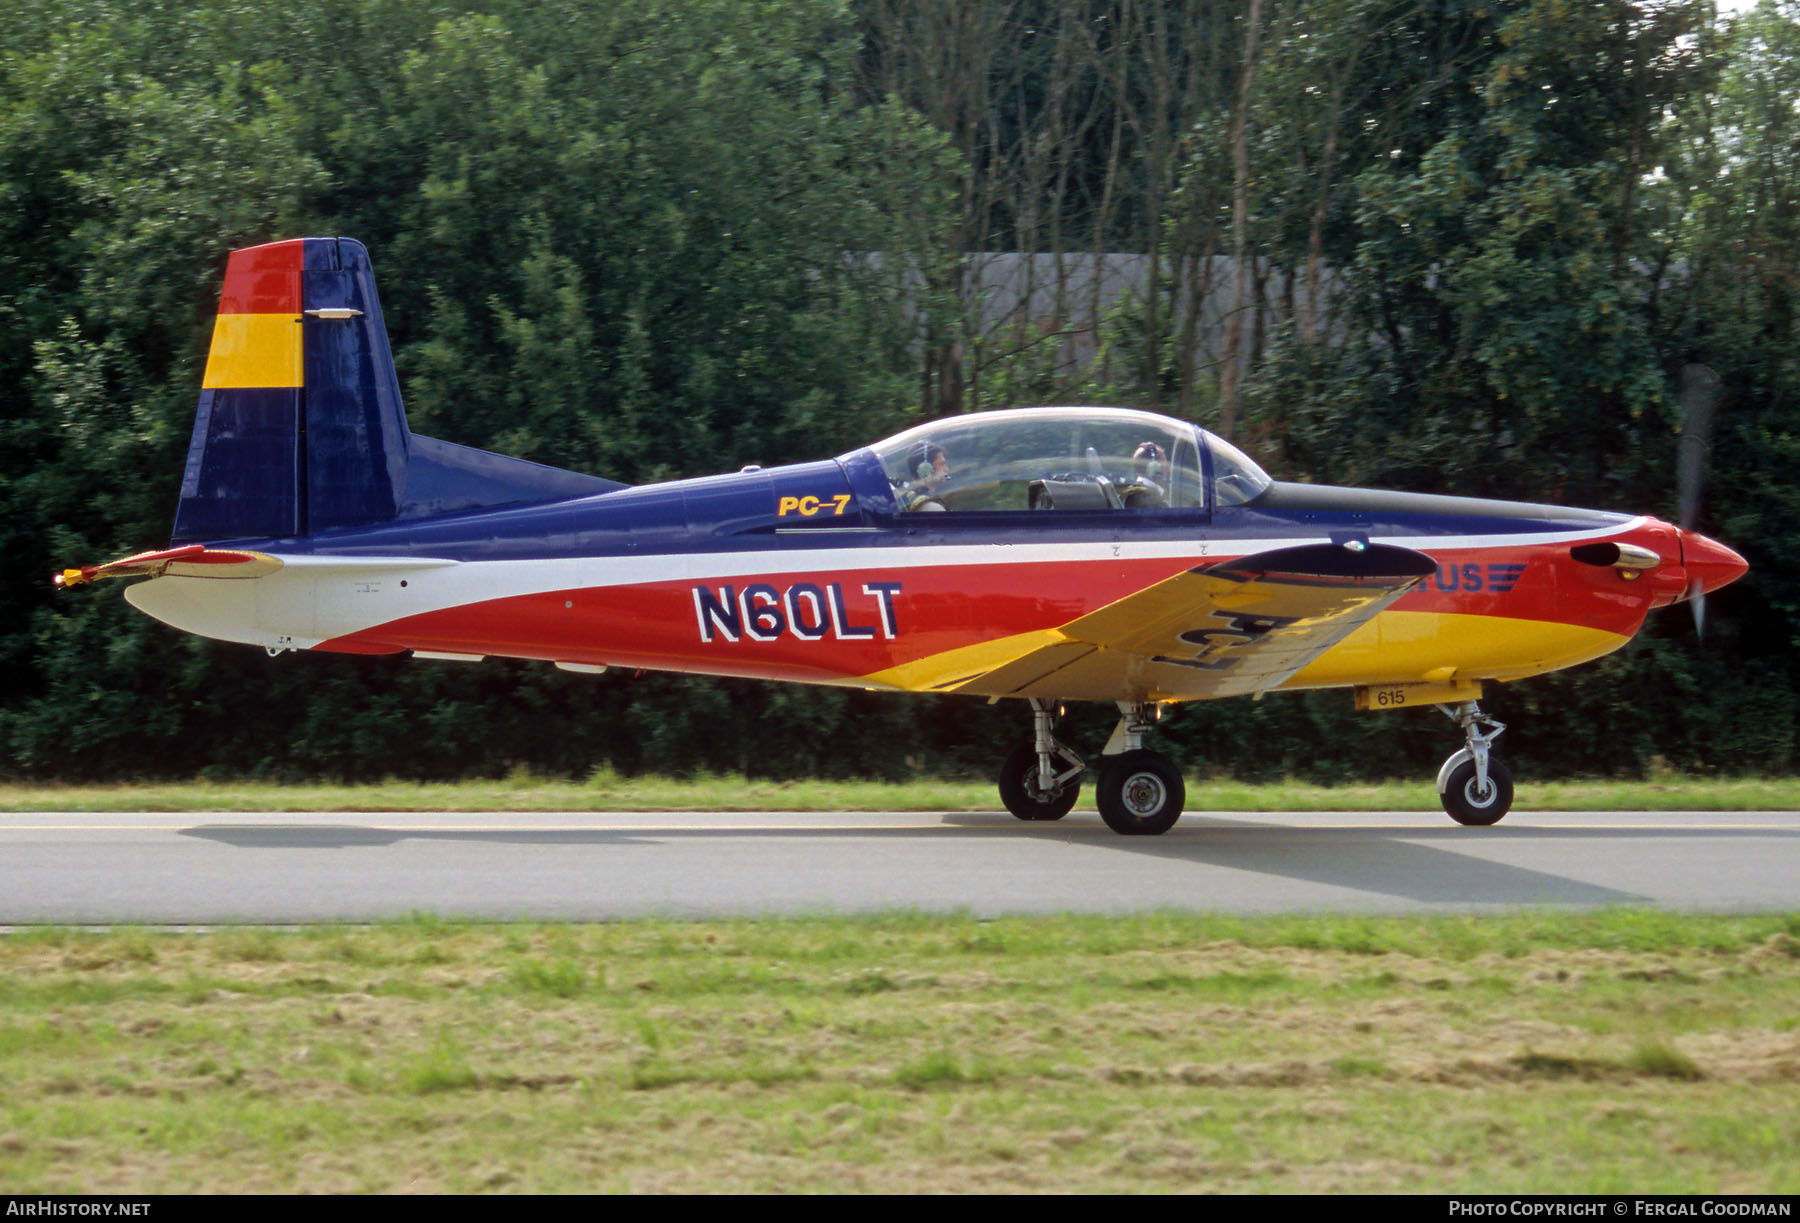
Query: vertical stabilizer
pixel 300 426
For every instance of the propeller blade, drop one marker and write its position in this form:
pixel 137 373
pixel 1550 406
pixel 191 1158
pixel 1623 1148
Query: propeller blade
pixel 1699 393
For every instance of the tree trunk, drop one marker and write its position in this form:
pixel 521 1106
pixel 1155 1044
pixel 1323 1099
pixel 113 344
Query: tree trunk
pixel 1231 367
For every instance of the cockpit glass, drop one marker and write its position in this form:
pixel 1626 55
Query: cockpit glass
pixel 1046 459
pixel 1236 479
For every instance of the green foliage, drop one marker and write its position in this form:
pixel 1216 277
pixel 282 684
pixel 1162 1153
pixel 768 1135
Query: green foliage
pixel 635 240
pixel 1498 345
pixel 1580 203
pixel 613 241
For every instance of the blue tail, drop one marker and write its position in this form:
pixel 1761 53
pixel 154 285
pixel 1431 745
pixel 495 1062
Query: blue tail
pixel 300 428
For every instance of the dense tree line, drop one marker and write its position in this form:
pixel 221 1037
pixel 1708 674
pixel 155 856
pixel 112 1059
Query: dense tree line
pixel 1461 245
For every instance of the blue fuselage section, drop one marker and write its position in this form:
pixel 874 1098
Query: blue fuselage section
pixel 849 502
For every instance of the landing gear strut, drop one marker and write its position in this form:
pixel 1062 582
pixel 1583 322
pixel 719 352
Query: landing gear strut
pixel 1473 785
pixel 1139 792
pixel 1041 778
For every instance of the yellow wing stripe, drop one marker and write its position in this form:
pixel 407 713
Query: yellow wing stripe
pixel 1397 647
pixel 951 667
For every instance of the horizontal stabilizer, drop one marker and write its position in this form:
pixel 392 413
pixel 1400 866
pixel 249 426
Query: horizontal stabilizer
pixel 193 561
pixel 442 477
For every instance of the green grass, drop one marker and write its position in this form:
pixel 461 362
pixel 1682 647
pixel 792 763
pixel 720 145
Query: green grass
pixel 1550 1051
pixel 607 791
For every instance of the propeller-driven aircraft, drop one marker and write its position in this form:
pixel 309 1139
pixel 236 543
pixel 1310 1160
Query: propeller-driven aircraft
pixel 1043 554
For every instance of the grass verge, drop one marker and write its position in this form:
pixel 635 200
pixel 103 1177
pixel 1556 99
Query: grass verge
pixel 1612 1051
pixel 607 791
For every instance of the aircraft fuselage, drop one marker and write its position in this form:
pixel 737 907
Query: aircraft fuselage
pixel 811 573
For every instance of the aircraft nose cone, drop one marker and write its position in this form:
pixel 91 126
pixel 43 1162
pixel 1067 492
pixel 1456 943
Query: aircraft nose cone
pixel 1709 563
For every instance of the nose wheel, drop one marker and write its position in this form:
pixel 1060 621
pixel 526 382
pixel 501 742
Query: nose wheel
pixel 1474 787
pixel 1470 802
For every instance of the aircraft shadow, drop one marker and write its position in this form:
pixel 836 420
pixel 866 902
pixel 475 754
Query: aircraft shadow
pixel 1430 865
pixel 1393 862
pixel 1381 861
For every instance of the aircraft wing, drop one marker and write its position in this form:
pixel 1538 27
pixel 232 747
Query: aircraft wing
pixel 1238 627
pixel 193 561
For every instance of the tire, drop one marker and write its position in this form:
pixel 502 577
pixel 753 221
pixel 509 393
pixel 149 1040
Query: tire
pixel 1140 794
pixel 1466 806
pixel 1019 788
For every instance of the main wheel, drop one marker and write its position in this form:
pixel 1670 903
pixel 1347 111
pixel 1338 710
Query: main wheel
pixel 1140 793
pixel 1468 804
pixel 1020 791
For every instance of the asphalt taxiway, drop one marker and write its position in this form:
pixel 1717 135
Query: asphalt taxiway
pixel 347 866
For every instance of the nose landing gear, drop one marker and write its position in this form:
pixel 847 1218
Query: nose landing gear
pixel 1473 785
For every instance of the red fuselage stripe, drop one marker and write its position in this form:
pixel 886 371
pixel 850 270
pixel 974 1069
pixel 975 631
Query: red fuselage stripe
pixel 841 623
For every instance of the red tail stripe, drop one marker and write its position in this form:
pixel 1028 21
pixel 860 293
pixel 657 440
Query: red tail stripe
pixel 264 279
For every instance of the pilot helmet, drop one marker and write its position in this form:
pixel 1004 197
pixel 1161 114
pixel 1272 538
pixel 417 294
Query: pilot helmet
pixel 922 459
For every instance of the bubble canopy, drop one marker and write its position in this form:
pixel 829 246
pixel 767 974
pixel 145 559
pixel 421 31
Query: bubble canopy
pixel 1065 459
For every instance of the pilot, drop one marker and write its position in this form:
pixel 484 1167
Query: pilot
pixel 930 467
pixel 1149 475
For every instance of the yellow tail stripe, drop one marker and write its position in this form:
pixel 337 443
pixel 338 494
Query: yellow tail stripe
pixel 254 350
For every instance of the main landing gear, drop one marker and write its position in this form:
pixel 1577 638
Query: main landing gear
pixel 1473 785
pixel 1139 792
pixel 1041 778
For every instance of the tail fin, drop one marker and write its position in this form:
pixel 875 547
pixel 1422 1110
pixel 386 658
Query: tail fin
pixel 300 428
